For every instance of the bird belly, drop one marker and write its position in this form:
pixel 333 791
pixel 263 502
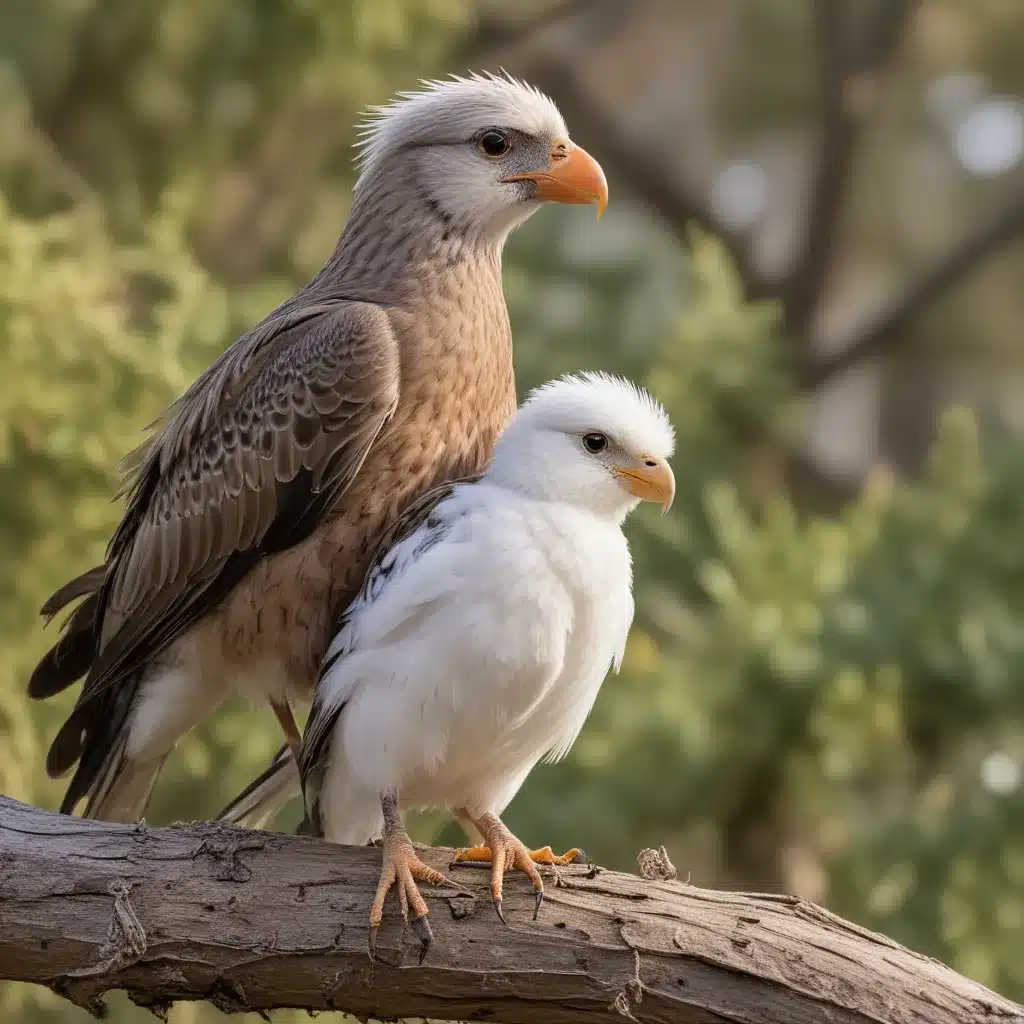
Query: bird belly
pixel 455 732
pixel 455 709
pixel 270 635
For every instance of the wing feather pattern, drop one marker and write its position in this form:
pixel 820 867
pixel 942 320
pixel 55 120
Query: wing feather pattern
pixel 246 464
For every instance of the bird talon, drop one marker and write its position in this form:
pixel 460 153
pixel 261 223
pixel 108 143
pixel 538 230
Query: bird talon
pixel 421 929
pixel 497 907
pixel 538 900
pixel 402 867
pixel 371 942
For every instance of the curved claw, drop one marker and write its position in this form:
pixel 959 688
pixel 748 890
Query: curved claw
pixel 421 929
pixel 538 900
pixel 497 907
pixel 371 942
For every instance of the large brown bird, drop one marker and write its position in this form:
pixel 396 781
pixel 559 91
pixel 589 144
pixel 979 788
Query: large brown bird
pixel 254 509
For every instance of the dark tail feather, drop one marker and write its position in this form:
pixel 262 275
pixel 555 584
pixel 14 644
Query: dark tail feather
pixel 95 736
pixel 67 746
pixel 73 654
pixel 266 795
pixel 88 583
pixel 124 791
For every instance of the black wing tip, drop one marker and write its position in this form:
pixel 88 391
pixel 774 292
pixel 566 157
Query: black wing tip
pixel 63 664
pixel 51 676
pixel 66 748
pixel 70 801
pixel 72 655
pixel 85 741
pixel 46 680
pixel 84 585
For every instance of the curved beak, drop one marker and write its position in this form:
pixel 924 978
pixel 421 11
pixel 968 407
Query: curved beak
pixel 649 479
pixel 573 176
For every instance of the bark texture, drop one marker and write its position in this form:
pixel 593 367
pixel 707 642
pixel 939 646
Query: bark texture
pixel 255 921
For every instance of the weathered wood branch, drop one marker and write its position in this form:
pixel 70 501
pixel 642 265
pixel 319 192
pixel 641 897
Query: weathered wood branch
pixel 256 921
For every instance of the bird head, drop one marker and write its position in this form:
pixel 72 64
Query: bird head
pixel 590 440
pixel 488 150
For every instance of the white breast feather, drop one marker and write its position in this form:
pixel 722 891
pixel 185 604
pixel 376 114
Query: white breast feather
pixel 476 657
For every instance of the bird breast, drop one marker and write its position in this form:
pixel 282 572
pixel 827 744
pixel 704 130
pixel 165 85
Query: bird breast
pixel 496 671
pixel 457 392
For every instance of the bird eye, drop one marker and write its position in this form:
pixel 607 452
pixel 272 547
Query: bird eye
pixel 595 443
pixel 493 144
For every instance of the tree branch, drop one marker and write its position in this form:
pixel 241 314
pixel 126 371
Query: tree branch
pixel 626 163
pixel 493 33
pixel 894 319
pixel 654 182
pixel 843 69
pixel 253 921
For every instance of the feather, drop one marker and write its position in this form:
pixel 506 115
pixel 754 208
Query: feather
pixel 488 619
pixel 396 358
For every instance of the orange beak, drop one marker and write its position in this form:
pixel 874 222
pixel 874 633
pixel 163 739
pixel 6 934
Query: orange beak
pixel 649 480
pixel 573 176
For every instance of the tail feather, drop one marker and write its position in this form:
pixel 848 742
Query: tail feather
pixel 124 791
pixel 95 735
pixel 259 803
pixel 71 657
pixel 81 586
pixel 114 787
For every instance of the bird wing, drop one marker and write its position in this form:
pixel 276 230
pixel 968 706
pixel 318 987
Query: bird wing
pixel 423 524
pixel 251 458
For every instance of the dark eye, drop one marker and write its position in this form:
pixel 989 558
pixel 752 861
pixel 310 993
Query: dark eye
pixel 493 144
pixel 595 443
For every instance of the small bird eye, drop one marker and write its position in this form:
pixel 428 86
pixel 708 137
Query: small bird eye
pixel 595 443
pixel 493 144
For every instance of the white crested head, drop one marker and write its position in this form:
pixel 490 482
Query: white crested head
pixel 591 440
pixel 482 147
pixel 452 111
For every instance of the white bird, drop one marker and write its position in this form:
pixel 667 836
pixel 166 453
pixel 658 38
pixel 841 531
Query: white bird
pixel 483 632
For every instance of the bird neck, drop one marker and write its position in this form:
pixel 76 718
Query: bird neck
pixel 396 236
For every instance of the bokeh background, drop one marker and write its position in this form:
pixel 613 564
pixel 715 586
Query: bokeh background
pixel 812 256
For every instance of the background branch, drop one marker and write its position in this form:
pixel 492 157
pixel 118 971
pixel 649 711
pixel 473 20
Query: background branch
pixel 627 162
pixel 846 70
pixel 896 318
pixel 255 921
pixel 654 182
pixel 493 33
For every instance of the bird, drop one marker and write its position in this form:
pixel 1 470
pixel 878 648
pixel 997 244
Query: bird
pixel 481 635
pixel 256 502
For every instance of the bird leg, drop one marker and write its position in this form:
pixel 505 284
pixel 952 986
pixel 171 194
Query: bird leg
pixel 402 867
pixel 507 853
pixel 286 720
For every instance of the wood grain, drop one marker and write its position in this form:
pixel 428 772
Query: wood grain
pixel 256 921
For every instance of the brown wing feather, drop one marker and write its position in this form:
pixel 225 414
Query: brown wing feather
pixel 246 465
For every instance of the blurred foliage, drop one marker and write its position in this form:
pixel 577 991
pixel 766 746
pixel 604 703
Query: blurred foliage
pixel 829 705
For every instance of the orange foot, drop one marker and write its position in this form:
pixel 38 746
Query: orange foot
pixel 505 852
pixel 402 866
